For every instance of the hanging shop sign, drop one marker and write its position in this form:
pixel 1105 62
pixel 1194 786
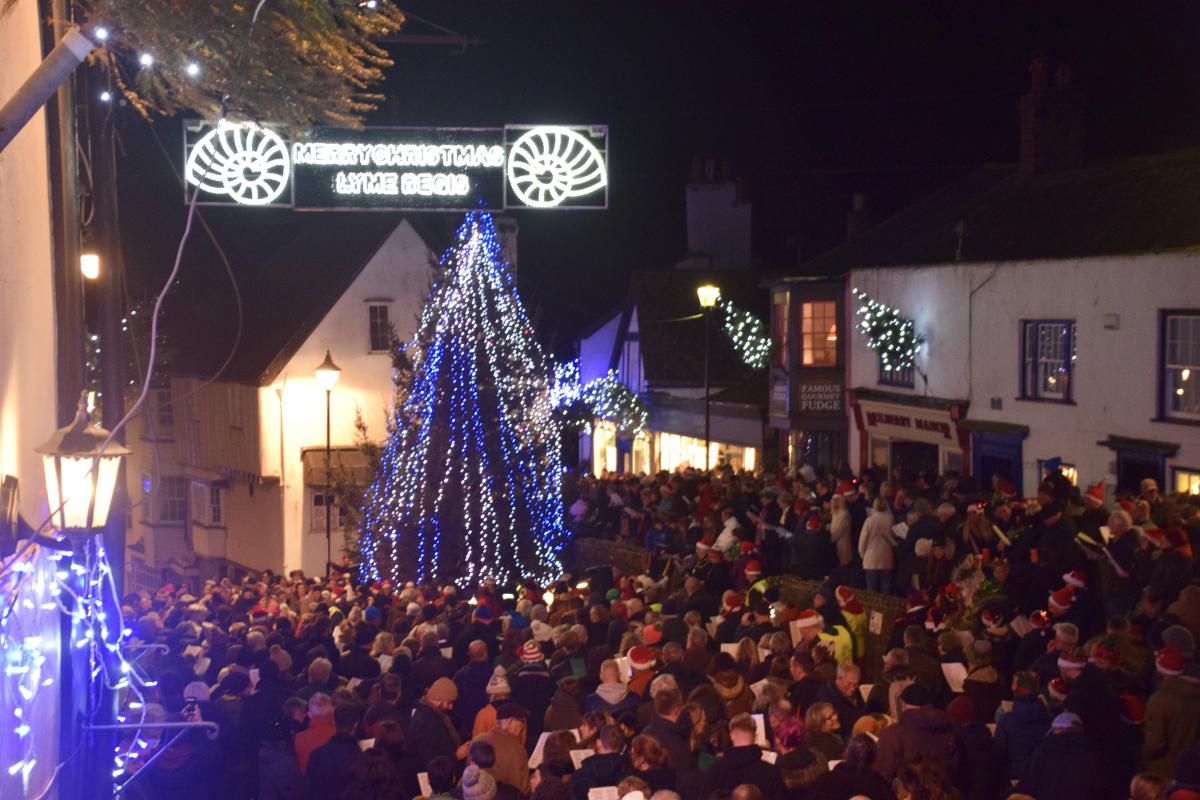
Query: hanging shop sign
pixel 909 423
pixel 398 169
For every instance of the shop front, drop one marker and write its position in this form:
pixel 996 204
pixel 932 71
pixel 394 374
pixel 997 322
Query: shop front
pixel 908 435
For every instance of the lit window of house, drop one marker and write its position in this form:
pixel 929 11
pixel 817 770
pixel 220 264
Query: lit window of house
pixel 1186 480
pixel 1048 359
pixel 818 334
pixel 1181 366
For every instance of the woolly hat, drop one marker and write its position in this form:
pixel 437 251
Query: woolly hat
pixel 1094 496
pixel 641 658
pixel 197 690
pixel 1061 599
pixel 1169 661
pixel 531 652
pixel 809 619
pixel 443 690
pixel 1025 685
pixel 372 614
pixel 753 569
pixel 1057 689
pixel 961 711
pixel 1075 578
pixel 498 683
pixel 477 784
pixel 1133 709
pixel 541 631
pixel 1072 659
pixel 847 598
pixel 916 695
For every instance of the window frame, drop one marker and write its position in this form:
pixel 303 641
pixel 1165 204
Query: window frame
pixel 216 508
pixel 1069 358
pixel 372 322
pixel 317 522
pixel 1070 471
pixel 1176 471
pixel 824 332
pixel 781 319
pixel 165 497
pixel 899 378
pixel 1164 412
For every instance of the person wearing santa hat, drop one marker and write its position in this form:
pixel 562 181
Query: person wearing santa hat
pixel 810 549
pixel 1172 569
pixel 856 618
pixel 1034 643
pixel 1172 713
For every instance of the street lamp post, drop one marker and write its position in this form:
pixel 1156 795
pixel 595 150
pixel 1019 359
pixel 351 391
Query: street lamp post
pixel 708 296
pixel 327 376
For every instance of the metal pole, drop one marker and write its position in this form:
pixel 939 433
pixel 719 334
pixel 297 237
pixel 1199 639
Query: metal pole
pixel 41 85
pixel 707 431
pixel 328 494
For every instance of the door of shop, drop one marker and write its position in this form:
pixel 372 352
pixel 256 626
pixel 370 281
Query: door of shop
pixel 912 458
pixel 1133 467
pixel 996 455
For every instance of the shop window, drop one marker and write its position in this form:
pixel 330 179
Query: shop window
pixel 1048 359
pixel 1180 364
pixel 1068 470
pixel 819 334
pixel 379 328
pixel 1186 480
pixel 897 376
pixel 604 447
pixel 779 330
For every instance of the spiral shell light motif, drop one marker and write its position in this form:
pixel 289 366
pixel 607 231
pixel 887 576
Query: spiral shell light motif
pixel 240 159
pixel 548 165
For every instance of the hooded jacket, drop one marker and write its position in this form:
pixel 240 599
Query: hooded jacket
pixel 731 689
pixel 800 769
pixel 1020 731
pixel 920 732
pixel 611 697
pixel 745 765
pixel 563 713
pixel 675 738
pixel 602 769
pixel 1172 723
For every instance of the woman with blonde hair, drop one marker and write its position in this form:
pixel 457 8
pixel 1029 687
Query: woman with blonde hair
pixel 821 726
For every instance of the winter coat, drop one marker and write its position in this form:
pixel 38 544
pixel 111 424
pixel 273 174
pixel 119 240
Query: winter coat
pixel 512 762
pixel 736 698
pixel 920 732
pixel 1020 731
pixel 532 688
pixel 329 767
pixel 472 681
pixel 839 535
pixel 675 738
pixel 828 744
pixel 800 769
pixel 1187 609
pixel 431 733
pixel 745 765
pixel 612 698
pixel 279 776
pixel 316 734
pixel 605 769
pixel 1065 766
pixel 1172 723
pixel 845 781
pixel 876 544
pixel 563 712
pixel 848 709
pixel 985 691
pixel 981 767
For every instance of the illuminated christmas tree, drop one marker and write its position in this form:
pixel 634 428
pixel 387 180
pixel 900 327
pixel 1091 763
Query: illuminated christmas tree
pixel 469 484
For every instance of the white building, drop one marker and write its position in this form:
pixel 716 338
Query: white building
pixel 240 475
pixel 1060 315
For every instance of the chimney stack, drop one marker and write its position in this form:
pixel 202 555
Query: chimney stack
pixel 1052 120
pixel 856 218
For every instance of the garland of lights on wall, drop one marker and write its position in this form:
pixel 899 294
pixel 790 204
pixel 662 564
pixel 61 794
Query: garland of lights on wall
pixel 610 399
pixel 890 334
pixel 747 333
pixel 476 443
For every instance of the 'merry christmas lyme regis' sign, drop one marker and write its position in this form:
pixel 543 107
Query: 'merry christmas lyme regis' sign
pixel 404 169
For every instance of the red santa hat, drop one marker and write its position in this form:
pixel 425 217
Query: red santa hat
pixel 1062 598
pixel 753 569
pixel 746 548
pixel 847 489
pixel 1040 620
pixel 1169 661
pixel 935 620
pixel 847 599
pixel 1133 709
pixel 1127 505
pixel 814 522
pixel 808 618
pixel 1075 578
pixel 992 618
pixel 1057 688
pixel 1007 489
pixel 731 601
pixel 1094 496
pixel 1072 659
pixel 641 658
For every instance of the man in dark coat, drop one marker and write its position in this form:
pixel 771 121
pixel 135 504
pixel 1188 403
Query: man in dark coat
pixel 672 729
pixel 482 629
pixel 923 731
pixel 532 688
pixel 431 732
pixel 743 763
pixel 472 681
pixel 1066 765
pixel 807 683
pixel 430 664
pixel 329 765
pixel 842 693
pixel 606 768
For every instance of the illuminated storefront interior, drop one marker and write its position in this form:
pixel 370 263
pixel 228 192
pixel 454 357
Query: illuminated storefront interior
pixel 655 451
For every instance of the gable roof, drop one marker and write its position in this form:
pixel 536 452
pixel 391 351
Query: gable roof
pixel 285 296
pixel 1140 205
pixel 671 329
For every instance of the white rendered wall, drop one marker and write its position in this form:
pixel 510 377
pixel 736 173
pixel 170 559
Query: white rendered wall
pixel 400 270
pixel 28 380
pixel 1116 374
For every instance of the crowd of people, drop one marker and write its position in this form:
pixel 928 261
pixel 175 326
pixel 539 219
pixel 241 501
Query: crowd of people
pixel 1042 648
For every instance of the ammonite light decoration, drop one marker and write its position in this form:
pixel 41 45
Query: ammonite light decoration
pixel 241 159
pixel 549 165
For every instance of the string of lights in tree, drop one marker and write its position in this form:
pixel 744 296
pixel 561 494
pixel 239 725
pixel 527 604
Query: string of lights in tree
pixel 610 399
pixel 469 481
pixel 890 334
pixel 747 333
pixel 38 585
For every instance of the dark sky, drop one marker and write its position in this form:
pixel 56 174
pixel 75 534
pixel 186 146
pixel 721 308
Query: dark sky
pixel 810 101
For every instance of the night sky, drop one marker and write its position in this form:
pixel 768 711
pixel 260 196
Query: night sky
pixel 811 102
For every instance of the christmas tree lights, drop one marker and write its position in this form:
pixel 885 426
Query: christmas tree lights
pixel 469 480
pixel 747 333
pixel 893 336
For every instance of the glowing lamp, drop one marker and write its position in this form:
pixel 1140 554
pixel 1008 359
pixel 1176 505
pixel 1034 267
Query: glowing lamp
pixel 80 477
pixel 89 265
pixel 708 295
pixel 548 598
pixel 328 373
